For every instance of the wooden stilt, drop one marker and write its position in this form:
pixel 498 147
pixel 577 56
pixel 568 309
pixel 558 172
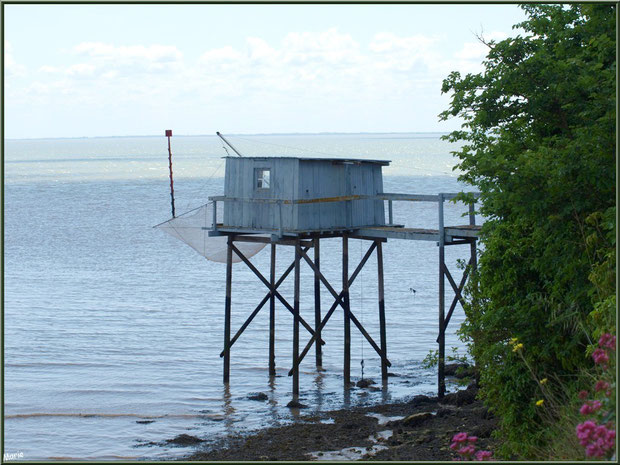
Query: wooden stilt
pixel 347 308
pixel 472 245
pixel 384 368
pixel 228 309
pixel 441 387
pixel 296 325
pixel 272 314
pixel 317 303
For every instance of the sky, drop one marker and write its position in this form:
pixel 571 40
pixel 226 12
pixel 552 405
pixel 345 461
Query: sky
pixel 116 70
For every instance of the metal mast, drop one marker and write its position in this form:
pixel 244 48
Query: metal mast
pixel 228 143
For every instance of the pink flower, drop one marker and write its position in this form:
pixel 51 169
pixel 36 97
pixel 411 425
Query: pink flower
pixel 594 450
pixel 583 395
pixel 472 439
pixel 483 455
pixel 585 409
pixel 610 440
pixel 459 437
pixel 467 450
pixel 597 439
pixel 608 341
pixel 600 357
pixel 585 431
pixel 601 385
pixel 590 406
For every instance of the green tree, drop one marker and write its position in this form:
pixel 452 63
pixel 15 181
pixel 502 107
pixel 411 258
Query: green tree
pixel 539 144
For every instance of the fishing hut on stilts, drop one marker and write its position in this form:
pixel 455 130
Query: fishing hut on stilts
pixel 296 202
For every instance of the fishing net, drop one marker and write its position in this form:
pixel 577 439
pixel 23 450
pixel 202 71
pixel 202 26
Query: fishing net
pixel 193 229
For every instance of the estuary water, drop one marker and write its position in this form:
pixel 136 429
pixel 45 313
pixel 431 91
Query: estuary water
pixel 113 329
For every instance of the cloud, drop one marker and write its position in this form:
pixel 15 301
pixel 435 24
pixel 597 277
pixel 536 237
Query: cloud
pixel 330 47
pixel 135 53
pixel 221 55
pixel 50 69
pixel 385 42
pixel 303 75
pixel 477 50
pixel 321 64
pixel 82 70
pixel 468 59
pixel 12 67
pixel 260 51
pixel 103 59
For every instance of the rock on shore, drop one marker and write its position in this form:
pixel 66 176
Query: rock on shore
pixel 423 432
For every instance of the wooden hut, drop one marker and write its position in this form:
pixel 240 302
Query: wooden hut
pixel 300 195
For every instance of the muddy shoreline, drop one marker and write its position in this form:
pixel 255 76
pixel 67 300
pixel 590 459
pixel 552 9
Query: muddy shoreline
pixel 420 428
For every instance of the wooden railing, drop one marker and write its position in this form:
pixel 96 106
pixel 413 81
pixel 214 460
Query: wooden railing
pixel 390 197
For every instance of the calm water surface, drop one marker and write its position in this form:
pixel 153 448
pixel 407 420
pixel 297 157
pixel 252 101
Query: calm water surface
pixel 110 323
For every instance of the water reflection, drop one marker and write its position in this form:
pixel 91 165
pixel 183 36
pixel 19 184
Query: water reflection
pixel 273 403
pixel 385 392
pixel 229 410
pixel 346 402
pixel 319 385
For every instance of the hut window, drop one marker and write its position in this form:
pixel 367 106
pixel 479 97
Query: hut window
pixel 263 178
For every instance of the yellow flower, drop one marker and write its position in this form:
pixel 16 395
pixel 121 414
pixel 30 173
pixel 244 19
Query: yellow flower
pixel 540 402
pixel 517 347
pixel 543 381
pixel 513 341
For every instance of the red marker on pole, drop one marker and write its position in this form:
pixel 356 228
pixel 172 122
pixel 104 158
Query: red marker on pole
pixel 169 135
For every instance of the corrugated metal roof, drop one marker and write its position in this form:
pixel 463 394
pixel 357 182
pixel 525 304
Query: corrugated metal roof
pixel 333 160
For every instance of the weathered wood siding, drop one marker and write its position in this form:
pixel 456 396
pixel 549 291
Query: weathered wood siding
pixel 240 182
pixel 334 179
pixel 294 179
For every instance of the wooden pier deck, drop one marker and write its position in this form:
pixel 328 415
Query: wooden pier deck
pixel 417 234
pixel 452 234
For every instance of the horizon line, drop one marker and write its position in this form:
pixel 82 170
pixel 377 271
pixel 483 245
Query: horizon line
pixel 326 133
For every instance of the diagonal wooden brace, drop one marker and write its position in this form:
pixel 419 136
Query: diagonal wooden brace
pixel 457 290
pixel 321 326
pixel 246 324
pixel 275 292
pixel 369 339
pixel 457 294
pixel 259 307
pixel 338 301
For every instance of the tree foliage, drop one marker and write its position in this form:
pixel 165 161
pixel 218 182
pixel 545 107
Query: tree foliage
pixel 539 144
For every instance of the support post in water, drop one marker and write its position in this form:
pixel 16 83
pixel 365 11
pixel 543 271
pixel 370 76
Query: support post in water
pixel 272 314
pixel 169 135
pixel 317 302
pixel 441 379
pixel 347 311
pixel 296 324
pixel 229 252
pixel 384 367
pixel 472 222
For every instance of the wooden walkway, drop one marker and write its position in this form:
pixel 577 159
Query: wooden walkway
pixel 452 233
